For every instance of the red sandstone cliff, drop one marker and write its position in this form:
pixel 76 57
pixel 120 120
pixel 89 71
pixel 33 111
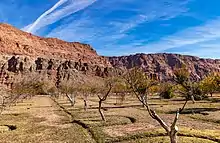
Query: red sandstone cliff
pixel 163 64
pixel 22 52
pixel 16 42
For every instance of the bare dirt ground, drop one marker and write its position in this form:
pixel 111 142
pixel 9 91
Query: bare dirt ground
pixel 40 120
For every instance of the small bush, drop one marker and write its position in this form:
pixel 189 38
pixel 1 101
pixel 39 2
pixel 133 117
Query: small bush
pixel 168 94
pixel 199 94
pixel 166 91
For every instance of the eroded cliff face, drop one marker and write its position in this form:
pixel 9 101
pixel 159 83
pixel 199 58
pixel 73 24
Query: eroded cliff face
pixel 163 65
pixel 23 53
pixel 14 67
pixel 16 42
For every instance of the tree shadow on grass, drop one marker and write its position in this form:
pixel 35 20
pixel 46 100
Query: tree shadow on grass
pixel 10 127
pixel 109 118
pixel 195 110
pixel 214 100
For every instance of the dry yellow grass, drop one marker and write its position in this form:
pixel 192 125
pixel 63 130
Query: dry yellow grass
pixel 118 128
pixel 40 120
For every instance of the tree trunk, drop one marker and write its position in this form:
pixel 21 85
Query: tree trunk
pixel 122 98
pixel 211 94
pixel 173 137
pixel 70 100
pixel 73 98
pixel 116 94
pixel 85 105
pixel 143 98
pixel 174 129
pixel 100 111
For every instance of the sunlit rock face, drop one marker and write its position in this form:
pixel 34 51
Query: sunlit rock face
pixel 163 65
pixel 16 42
pixel 22 53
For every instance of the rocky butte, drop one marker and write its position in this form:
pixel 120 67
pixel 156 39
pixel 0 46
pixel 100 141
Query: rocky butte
pixel 22 53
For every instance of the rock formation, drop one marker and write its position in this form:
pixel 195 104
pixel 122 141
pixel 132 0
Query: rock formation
pixel 16 42
pixel 162 65
pixel 23 53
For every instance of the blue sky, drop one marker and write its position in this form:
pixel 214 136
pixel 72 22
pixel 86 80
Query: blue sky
pixel 123 27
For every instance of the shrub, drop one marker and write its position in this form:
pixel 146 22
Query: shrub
pixel 168 94
pixel 166 91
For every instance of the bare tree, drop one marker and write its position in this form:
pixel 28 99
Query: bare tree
pixel 5 94
pixel 69 89
pixel 86 89
pixel 140 84
pixel 103 93
pixel 23 87
pixel 119 89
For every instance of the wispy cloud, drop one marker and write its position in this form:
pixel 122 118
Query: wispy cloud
pixel 99 24
pixel 52 15
pixel 164 9
pixel 203 41
pixel 131 26
pixel 208 50
pixel 120 27
pixel 202 50
pixel 188 37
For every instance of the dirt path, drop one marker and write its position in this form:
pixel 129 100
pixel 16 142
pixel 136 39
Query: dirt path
pixel 41 120
pixel 44 107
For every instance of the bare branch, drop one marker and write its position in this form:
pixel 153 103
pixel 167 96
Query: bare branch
pixel 106 95
pixel 99 97
pixel 181 109
pixel 192 98
pixel 162 123
pixel 175 120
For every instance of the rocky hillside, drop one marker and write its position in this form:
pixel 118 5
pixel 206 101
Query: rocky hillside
pixel 16 42
pixel 23 53
pixel 162 65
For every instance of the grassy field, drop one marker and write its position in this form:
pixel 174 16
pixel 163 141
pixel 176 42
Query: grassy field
pixel 46 119
pixel 130 122
pixel 40 120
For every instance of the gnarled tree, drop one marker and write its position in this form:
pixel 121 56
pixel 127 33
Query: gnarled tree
pixel 140 84
pixel 119 89
pixel 103 93
pixel 86 89
pixel 68 89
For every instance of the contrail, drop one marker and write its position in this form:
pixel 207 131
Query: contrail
pixel 32 26
pixel 52 15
